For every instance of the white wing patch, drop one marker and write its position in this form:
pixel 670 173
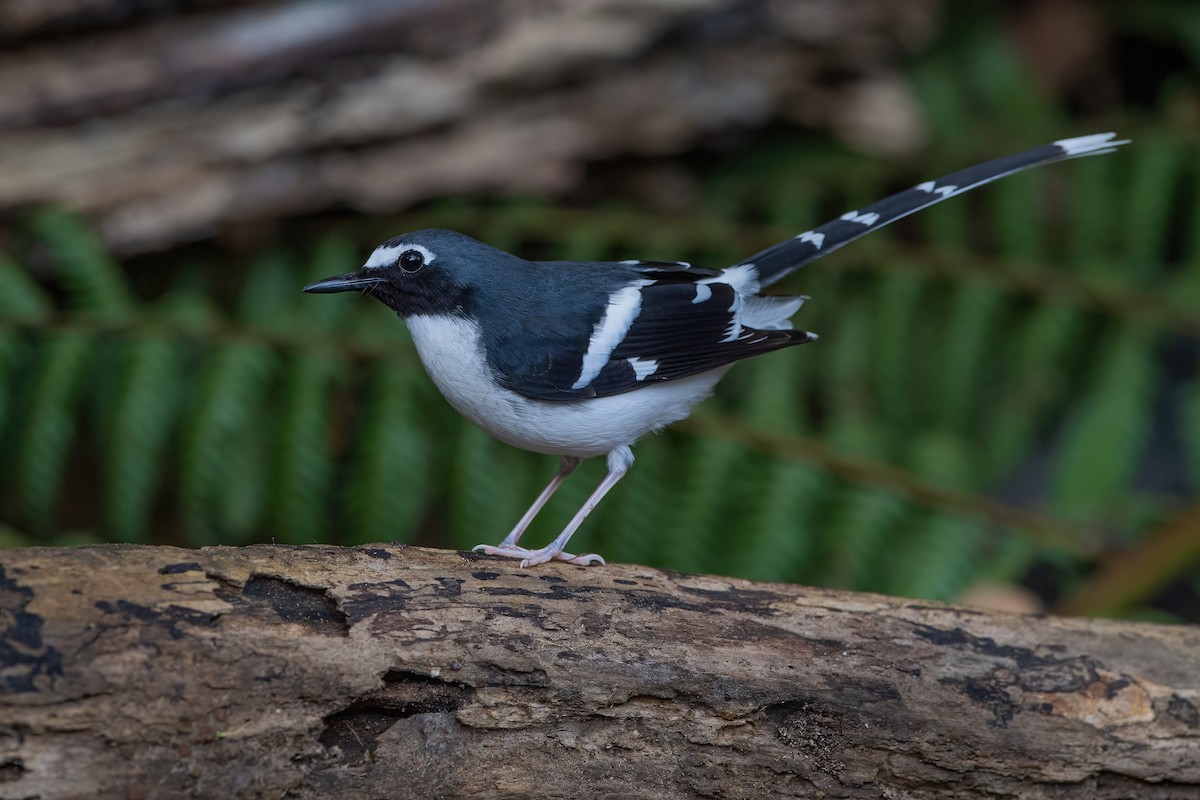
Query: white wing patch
pixel 932 188
pixel 623 307
pixel 861 219
pixel 702 293
pixel 385 255
pixel 813 238
pixel 743 278
pixel 633 262
pixel 643 367
pixel 767 313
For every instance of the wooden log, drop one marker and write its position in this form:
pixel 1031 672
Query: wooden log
pixel 172 127
pixel 393 671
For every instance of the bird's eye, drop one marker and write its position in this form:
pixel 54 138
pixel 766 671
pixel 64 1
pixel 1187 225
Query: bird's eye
pixel 411 261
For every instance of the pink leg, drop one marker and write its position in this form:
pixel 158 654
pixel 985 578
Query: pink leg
pixel 566 466
pixel 619 461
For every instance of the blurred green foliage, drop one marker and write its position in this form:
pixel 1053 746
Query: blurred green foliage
pixel 1011 341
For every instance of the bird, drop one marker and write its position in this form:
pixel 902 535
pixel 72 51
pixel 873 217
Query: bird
pixel 581 359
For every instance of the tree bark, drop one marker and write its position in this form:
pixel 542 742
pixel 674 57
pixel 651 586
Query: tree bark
pixel 393 671
pixel 168 127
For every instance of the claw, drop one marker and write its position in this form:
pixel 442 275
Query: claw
pixel 530 558
pixel 585 560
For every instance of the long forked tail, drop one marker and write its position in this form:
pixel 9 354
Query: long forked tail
pixel 777 261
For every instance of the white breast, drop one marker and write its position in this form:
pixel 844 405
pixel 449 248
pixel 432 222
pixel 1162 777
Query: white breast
pixel 453 356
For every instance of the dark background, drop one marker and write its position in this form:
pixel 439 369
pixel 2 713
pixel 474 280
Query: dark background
pixel 1003 407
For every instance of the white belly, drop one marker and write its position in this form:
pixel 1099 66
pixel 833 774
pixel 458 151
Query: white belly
pixel 450 349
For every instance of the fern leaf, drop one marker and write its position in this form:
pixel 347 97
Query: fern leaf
pixel 898 303
pixel 1149 210
pixel 632 519
pixel 20 296
pixel 772 397
pixel 859 523
pixel 1036 380
pixel 302 467
pixel 93 282
pixel 268 298
pixel 1007 559
pixel 476 488
pixel 940 556
pixel 388 483
pixel 938 559
pixel 780 527
pixel 137 433
pixel 1104 439
pixel 862 527
pixel 1094 219
pixel 1019 229
pixel 692 533
pixel 48 425
pixel 230 394
pixel 967 354
pixel 20 299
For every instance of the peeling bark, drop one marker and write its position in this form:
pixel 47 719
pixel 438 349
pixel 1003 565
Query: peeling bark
pixel 171 127
pixel 391 671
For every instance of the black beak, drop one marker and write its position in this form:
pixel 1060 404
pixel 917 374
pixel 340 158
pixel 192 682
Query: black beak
pixel 350 282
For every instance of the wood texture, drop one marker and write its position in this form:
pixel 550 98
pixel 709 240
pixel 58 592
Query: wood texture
pixel 168 127
pixel 392 671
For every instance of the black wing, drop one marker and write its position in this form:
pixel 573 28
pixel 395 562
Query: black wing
pixel 680 328
pixel 776 262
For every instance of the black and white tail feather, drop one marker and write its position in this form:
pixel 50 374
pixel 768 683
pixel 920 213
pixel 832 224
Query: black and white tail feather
pixel 776 262
pixel 672 320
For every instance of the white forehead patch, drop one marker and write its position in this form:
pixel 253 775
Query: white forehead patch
pixel 386 254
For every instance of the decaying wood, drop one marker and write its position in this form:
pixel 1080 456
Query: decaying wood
pixel 392 671
pixel 168 127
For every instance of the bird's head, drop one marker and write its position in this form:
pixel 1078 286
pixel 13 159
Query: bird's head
pixel 420 273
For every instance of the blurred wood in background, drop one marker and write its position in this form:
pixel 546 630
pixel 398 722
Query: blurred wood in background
pixel 166 122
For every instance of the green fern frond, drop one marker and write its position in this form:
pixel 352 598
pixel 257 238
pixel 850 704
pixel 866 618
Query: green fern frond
pixel 270 294
pixel 898 302
pixel 48 424
pixel 778 535
pixel 937 560
pixel 1150 197
pixel 137 433
pixel 302 467
pixel 388 481
pixel 20 299
pixel 488 489
pixel 1037 370
pixel 229 403
pixel 631 521
pixel 91 278
pixel 966 365
pixel 20 296
pixel 940 556
pixel 1019 233
pixel 861 528
pixel 1103 441
pixel 692 532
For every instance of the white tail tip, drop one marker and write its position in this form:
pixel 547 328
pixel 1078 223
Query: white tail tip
pixel 1094 144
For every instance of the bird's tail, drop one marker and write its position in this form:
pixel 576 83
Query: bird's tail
pixel 777 261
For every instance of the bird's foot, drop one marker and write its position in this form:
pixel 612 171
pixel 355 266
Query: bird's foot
pixel 531 558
